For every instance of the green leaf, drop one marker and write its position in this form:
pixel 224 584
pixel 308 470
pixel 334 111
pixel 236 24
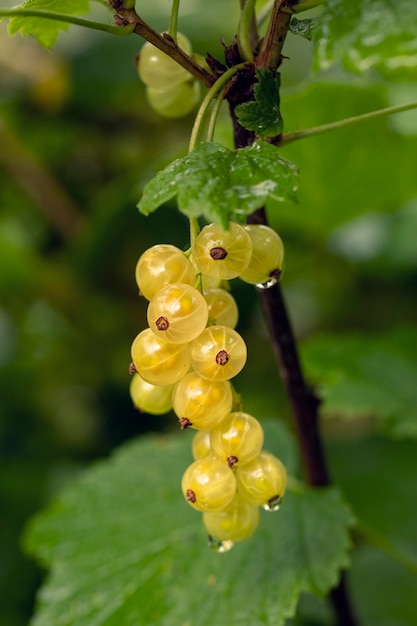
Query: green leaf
pixel 221 184
pixel 44 30
pixel 263 115
pixel 377 476
pixel 365 34
pixel 125 548
pixel 363 375
pixel 303 28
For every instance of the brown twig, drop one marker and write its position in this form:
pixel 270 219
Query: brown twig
pixel 164 42
pixel 271 47
pixel 303 400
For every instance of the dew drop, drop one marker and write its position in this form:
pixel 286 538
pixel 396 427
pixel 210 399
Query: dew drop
pixel 269 283
pixel 274 277
pixel 219 546
pixel 273 504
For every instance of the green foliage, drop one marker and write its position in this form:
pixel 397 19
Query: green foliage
pixel 46 31
pixel 363 375
pixel 263 116
pixel 351 171
pixel 221 184
pixel 365 34
pixel 145 558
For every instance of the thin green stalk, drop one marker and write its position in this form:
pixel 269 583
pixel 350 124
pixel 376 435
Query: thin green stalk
pixel 194 230
pixel 211 94
pixel 243 33
pixel 173 22
pixel 349 121
pixel 214 113
pixel 70 19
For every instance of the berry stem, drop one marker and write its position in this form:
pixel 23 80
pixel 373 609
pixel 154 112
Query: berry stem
pixel 173 21
pixel 214 113
pixel 211 94
pixel 244 29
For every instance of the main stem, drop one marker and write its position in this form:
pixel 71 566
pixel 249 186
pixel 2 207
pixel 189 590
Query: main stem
pixel 305 408
pixel 303 400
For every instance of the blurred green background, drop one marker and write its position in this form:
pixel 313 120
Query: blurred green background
pixel 78 142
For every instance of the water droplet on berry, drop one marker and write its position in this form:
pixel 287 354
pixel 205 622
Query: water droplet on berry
pixel 274 277
pixel 269 283
pixel 273 504
pixel 219 546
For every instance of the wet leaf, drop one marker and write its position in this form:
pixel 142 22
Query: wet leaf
pixel 365 34
pixel 221 184
pixel 362 375
pixel 123 547
pixel 263 115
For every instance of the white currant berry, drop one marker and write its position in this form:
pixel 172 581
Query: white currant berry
pixel 222 307
pixel 157 361
pixel 265 265
pixel 176 101
pixel 158 70
pixel 201 403
pixel 218 353
pixel 162 265
pixel 222 253
pixel 152 399
pixel 208 484
pixel 200 445
pixel 236 522
pixel 262 481
pixel 178 313
pixel 237 439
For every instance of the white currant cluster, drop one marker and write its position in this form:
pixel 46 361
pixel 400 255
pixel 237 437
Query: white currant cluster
pixel 171 91
pixel 186 359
